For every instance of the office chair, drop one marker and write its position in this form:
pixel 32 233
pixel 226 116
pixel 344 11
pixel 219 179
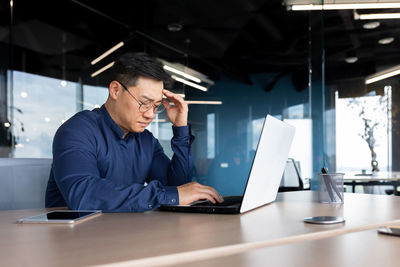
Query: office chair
pixel 23 182
pixel 291 179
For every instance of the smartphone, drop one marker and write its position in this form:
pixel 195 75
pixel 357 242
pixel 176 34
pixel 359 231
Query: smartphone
pixel 389 231
pixel 61 216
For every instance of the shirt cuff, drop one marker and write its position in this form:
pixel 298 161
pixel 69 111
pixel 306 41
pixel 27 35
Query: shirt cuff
pixel 183 131
pixel 171 195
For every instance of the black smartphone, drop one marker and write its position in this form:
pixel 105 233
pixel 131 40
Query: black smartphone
pixel 389 231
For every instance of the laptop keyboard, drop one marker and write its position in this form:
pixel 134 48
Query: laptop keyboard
pixel 228 201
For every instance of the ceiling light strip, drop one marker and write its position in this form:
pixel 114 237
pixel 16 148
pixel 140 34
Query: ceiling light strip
pixel 94 74
pixel 189 83
pixel 159 120
pixel 383 75
pixel 202 102
pixel 183 74
pixel 109 51
pixel 345 6
pixel 379 16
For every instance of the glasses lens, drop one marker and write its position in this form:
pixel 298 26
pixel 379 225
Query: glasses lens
pixel 160 108
pixel 144 108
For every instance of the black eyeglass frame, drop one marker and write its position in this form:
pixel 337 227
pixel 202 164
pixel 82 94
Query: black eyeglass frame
pixel 143 107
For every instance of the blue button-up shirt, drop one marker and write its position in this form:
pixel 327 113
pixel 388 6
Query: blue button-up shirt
pixel 95 168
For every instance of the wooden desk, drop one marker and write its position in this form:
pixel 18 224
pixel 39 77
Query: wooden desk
pixel 367 248
pixel 118 237
pixel 379 178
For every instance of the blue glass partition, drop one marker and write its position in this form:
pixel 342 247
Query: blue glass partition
pixel 234 127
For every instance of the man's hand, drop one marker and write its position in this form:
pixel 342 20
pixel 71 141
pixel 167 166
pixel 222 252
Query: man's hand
pixel 178 113
pixel 192 192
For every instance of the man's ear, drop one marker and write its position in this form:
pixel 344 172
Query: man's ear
pixel 114 89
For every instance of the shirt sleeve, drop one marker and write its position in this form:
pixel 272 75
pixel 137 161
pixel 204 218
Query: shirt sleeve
pixel 176 171
pixel 78 179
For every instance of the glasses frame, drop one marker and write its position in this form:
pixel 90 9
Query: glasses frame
pixel 156 109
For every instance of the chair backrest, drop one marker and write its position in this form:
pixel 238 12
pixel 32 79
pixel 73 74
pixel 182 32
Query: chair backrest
pixel 291 178
pixel 23 182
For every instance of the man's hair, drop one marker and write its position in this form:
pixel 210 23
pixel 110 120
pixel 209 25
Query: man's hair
pixel 130 66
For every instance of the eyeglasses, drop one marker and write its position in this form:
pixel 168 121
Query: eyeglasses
pixel 144 107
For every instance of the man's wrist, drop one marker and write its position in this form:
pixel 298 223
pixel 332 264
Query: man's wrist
pixel 180 123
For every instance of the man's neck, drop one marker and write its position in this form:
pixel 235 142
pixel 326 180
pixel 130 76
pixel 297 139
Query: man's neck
pixel 109 109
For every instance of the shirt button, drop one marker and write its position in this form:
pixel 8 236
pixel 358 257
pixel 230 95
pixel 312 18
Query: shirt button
pixel 173 200
pixel 150 206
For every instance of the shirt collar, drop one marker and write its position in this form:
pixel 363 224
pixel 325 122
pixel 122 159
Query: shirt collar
pixel 111 123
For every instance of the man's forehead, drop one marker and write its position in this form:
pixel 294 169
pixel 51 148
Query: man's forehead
pixel 149 89
pixel 150 99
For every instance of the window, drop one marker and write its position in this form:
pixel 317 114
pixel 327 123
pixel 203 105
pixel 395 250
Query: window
pixel 94 96
pixel 362 128
pixel 40 106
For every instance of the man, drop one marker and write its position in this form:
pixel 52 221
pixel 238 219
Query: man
pixel 103 159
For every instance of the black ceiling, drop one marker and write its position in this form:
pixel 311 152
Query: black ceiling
pixel 224 37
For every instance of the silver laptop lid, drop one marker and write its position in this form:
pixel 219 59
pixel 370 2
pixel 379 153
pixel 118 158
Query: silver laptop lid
pixel 268 164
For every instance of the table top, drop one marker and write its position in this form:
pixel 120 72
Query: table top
pixel 119 237
pixel 367 248
pixel 382 175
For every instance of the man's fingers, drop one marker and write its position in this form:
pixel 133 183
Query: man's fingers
pixel 168 94
pixel 212 193
pixel 176 99
pixel 193 191
pixel 166 104
pixel 211 189
pixel 207 196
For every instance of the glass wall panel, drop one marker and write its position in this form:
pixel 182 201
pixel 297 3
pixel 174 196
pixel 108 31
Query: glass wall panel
pixel 360 62
pixel 47 75
pixel 94 96
pixel 44 77
pixel 40 106
pixel 239 121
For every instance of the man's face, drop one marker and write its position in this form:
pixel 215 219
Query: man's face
pixel 146 91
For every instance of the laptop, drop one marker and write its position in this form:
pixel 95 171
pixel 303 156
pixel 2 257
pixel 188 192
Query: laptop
pixel 264 176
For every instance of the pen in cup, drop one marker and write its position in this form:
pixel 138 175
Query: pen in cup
pixel 327 183
pixel 331 185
